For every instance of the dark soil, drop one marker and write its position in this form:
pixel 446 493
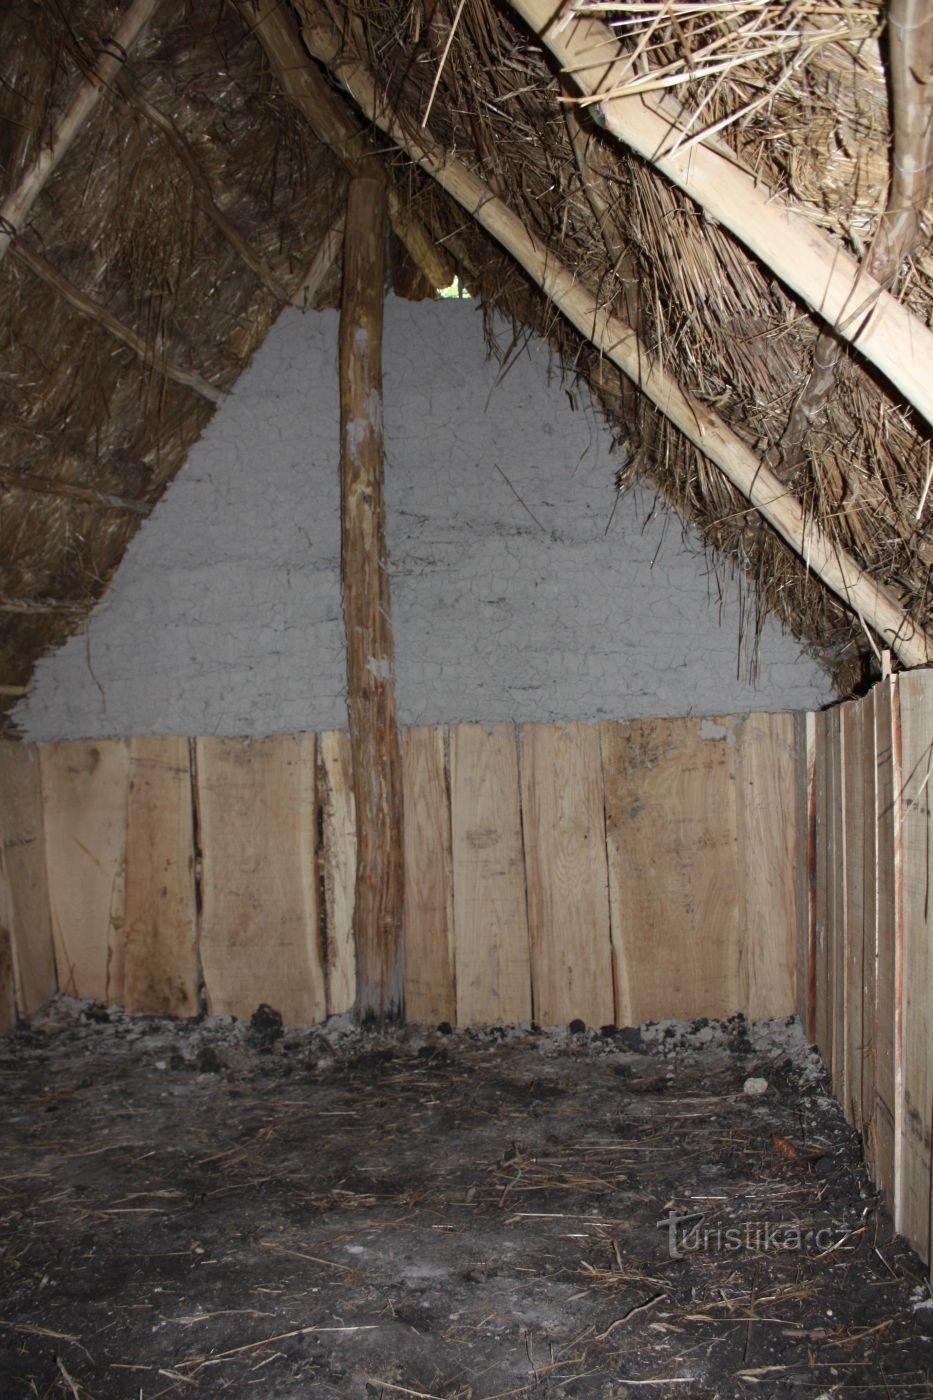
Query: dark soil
pixel 223 1209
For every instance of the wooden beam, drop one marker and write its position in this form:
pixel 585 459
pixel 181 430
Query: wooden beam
pixel 374 740
pixel 114 53
pixel 31 606
pixel 333 124
pixel 910 54
pixel 328 251
pixel 620 344
pixel 95 311
pixel 830 281
pixel 45 486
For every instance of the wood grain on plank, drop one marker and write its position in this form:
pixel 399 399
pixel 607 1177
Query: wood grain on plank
pixel 823 887
pixel 7 986
pixel 854 781
pixel 24 893
pixel 260 933
pixel 338 855
pixel 806 959
pixel 868 970
pixel 837 877
pixel 430 979
pixel 490 914
pixel 85 788
pixel 881 1130
pixel 563 823
pixel 160 964
pixel 915 694
pixel 772 847
pixel 675 874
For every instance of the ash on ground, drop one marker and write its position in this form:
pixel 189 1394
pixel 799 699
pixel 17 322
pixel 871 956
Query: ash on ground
pixel 242 1207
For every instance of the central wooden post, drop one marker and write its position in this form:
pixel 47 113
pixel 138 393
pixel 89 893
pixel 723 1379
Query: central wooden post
pixel 374 741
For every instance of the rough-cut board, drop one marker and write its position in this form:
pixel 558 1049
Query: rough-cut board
pixel 772 848
pixel 881 1130
pixel 430 983
pixel 490 916
pixel 806 964
pixel 338 857
pixel 915 694
pixel 836 874
pixel 84 787
pixel 260 933
pixel 7 990
pixel 24 894
pixel 160 965
pixel 563 822
pixel 675 878
pixel 869 908
pixel 856 775
pixel 822 886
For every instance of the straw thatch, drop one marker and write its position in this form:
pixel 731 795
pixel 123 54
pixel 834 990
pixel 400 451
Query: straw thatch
pixel 196 199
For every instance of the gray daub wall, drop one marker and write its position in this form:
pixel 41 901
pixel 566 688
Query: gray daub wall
pixel 512 600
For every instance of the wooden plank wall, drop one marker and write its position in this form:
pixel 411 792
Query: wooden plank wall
pixel 871 996
pixel 609 873
pixel 27 958
pixel 612 873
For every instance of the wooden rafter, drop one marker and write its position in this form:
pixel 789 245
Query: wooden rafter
pixel 88 306
pixel 16 206
pixel 31 606
pixel 374 739
pixel 45 486
pixel 334 125
pixel 620 344
pixel 825 276
pixel 910 52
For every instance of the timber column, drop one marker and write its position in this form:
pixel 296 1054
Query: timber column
pixel 374 740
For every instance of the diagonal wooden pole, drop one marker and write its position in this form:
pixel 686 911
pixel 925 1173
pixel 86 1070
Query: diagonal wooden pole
pixel 374 740
pixel 333 123
pixel 878 608
pixel 831 282
pixel 17 204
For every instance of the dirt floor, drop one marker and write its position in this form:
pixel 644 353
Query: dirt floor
pixel 219 1208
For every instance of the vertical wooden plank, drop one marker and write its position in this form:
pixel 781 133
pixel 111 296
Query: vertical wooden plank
pixel 260 932
pixel 490 914
pixel 430 980
pixel 915 694
pixel 852 724
pixel 869 903
pixel 806 955
pixel 563 823
pixel 24 893
pixel 7 986
pixel 886 1011
pixel 837 876
pixel 674 867
pixel 823 886
pixel 84 787
pixel 335 773
pixel 772 849
pixel 160 965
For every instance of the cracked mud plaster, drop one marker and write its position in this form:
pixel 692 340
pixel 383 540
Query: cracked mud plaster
pixel 512 600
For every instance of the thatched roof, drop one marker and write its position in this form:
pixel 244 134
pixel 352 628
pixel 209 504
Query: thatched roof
pixel 195 199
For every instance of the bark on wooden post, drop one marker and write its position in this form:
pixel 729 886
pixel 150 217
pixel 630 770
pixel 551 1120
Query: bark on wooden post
pixel 374 741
